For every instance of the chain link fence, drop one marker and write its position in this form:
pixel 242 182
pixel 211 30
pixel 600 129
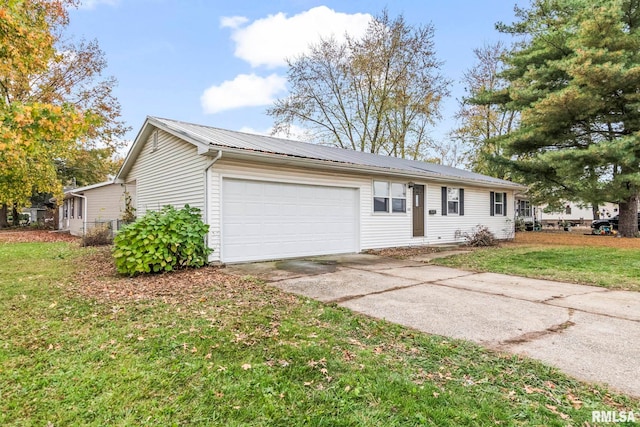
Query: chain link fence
pixel 101 232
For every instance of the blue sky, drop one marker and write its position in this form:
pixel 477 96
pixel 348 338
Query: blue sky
pixel 219 63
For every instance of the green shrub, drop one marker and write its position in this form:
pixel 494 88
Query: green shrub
pixel 162 241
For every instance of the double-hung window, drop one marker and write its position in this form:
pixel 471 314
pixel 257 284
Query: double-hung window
pixel 389 197
pixel 497 204
pixel 452 201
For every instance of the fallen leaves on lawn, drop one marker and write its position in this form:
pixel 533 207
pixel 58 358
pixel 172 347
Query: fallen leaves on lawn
pixel 579 237
pixel 28 236
pixel 530 390
pixel 554 409
pixel 227 301
pixel 97 279
pixel 406 251
pixel 575 402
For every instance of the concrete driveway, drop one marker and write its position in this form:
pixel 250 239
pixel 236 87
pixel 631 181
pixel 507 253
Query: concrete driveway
pixel 588 332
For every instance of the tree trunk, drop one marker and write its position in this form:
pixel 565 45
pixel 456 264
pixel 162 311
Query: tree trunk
pixel 595 210
pixel 4 210
pixel 628 224
pixel 55 213
pixel 16 215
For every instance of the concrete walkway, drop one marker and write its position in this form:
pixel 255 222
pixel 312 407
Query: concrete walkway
pixel 588 332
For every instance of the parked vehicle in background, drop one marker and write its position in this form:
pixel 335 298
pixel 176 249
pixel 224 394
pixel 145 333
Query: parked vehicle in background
pixel 611 223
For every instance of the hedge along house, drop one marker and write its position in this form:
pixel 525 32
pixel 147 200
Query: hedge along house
pixel 269 198
pixel 102 204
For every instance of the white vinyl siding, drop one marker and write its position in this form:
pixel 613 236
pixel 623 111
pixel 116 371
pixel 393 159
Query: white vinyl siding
pixel 105 203
pixel 449 228
pixel 170 174
pixel 375 230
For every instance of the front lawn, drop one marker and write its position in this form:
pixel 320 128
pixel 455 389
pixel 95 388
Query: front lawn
pixel 610 267
pixel 203 348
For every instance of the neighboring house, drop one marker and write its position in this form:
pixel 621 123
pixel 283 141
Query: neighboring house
pixel 34 215
pixel 269 198
pixel 99 204
pixel 572 213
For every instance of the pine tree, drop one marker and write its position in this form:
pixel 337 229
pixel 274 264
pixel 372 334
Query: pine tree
pixel 575 79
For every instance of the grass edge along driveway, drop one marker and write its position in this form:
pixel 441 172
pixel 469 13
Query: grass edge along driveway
pixel 209 349
pixel 613 268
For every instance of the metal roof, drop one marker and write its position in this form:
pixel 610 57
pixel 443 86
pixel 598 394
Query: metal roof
pixel 88 187
pixel 221 138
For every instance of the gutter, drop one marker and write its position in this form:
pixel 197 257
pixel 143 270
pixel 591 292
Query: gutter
pixel 84 211
pixel 351 167
pixel 205 212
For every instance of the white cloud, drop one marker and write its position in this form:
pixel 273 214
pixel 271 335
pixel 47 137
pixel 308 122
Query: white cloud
pixel 92 4
pixel 245 90
pixel 270 41
pixel 233 21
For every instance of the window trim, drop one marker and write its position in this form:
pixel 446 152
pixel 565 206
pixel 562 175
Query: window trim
pixel 498 204
pixel 493 203
pixel 445 201
pixel 381 196
pixel 389 198
pixel 453 202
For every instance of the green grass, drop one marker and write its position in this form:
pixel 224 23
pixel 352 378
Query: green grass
pixel 259 357
pixel 600 266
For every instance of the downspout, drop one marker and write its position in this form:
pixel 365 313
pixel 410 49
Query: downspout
pixel 84 212
pixel 206 192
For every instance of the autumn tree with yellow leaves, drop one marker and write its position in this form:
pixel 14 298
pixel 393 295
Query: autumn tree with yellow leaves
pixel 54 104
